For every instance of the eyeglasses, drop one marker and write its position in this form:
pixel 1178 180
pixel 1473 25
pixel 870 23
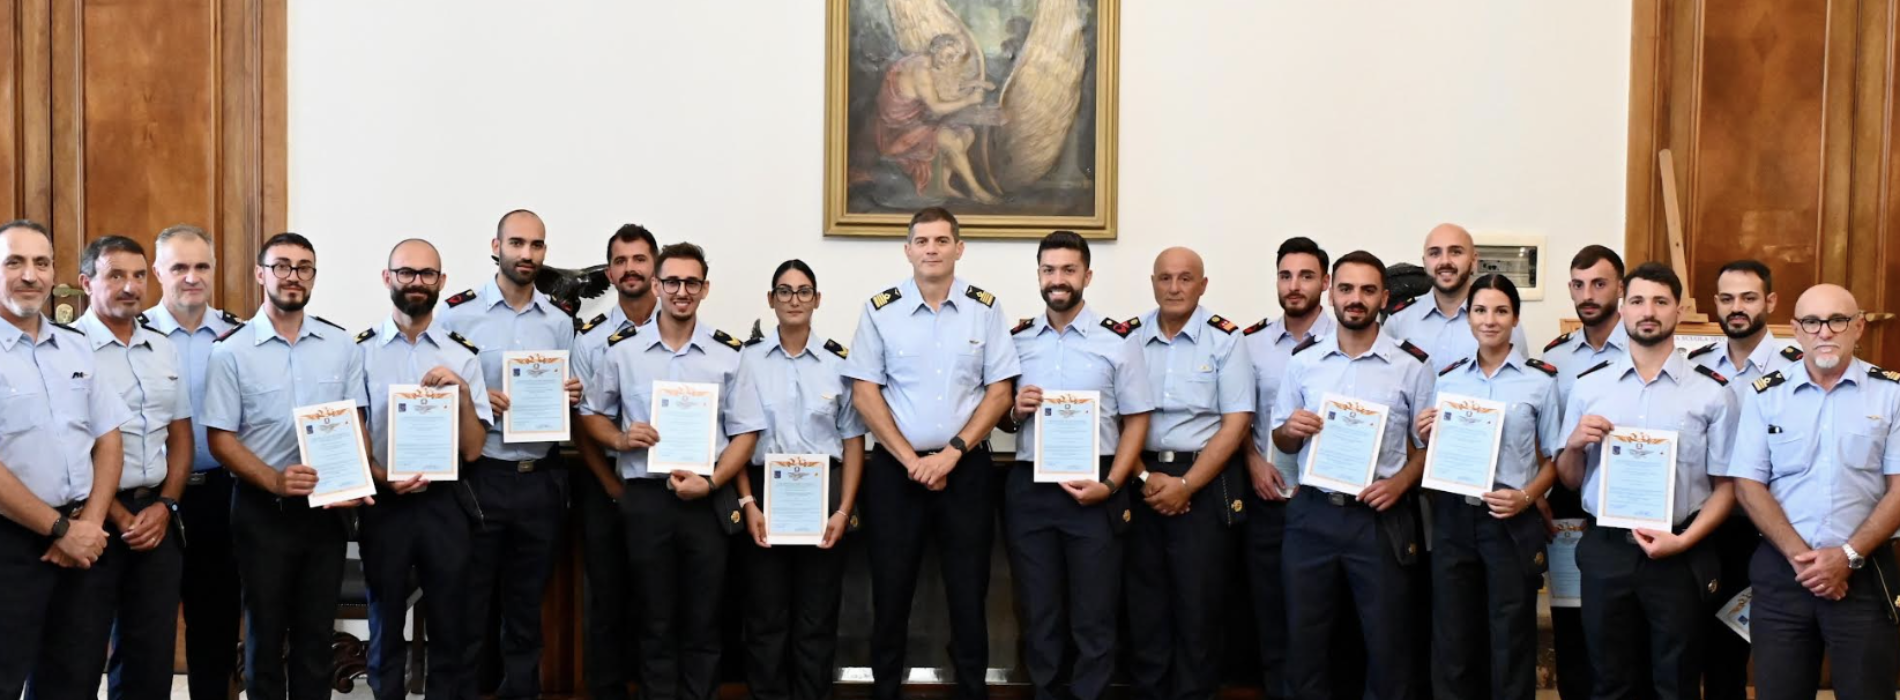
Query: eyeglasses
pixel 1837 324
pixel 784 293
pixel 282 270
pixel 408 275
pixel 672 285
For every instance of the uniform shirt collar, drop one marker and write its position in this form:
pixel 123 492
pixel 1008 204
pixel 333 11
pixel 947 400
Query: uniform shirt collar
pixel 1513 360
pixel 1798 376
pixel 1191 331
pixel 490 295
pixel 1619 338
pixel 1085 321
pixel 1676 367
pixel 10 335
pixel 701 337
pixel 99 336
pixel 1322 327
pixel 1763 354
pixel 773 343
pixel 162 320
pixel 263 330
pixel 1430 300
pixel 390 331
pixel 1383 346
pixel 909 290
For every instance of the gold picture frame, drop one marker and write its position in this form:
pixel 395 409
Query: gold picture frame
pixel 1026 169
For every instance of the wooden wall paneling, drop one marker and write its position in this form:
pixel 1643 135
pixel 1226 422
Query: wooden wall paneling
pixel 12 177
pixel 35 123
pixel 1876 172
pixel 252 170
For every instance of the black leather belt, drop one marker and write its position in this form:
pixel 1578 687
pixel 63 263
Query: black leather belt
pixel 1335 498
pixel 71 510
pixel 1170 456
pixel 519 466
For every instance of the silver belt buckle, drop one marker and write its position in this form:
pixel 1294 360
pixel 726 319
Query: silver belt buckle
pixel 1337 498
pixel 141 493
pixel 525 466
pixel 196 479
pixel 1474 501
pixel 1165 456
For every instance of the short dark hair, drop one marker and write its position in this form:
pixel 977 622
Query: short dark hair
pixel 628 233
pixel 285 238
pixel 1593 254
pixel 1500 283
pixel 1361 257
pixel 934 214
pixel 89 260
pixel 686 250
pixel 503 221
pixel 1301 245
pixel 28 224
pixel 1753 267
pixel 1655 272
pixel 1064 240
pixel 790 265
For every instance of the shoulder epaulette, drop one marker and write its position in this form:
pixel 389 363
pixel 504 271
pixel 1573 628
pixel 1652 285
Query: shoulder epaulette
pixel 1024 325
pixel 1310 341
pixel 885 298
pixel 1768 381
pixel 1414 350
pixel 68 327
pixel 1121 328
pixel 749 342
pixel 1133 322
pixel 461 298
pixel 1541 366
pixel 727 340
pixel 1792 354
pixel 1255 328
pixel 1224 325
pixel 1704 350
pixel 1712 374
pixel 233 331
pixel 142 320
pixel 837 349
pixel 329 323
pixel 1600 365
pixel 623 334
pixel 457 337
pixel 588 325
pixel 981 297
pixel 1452 366
pixel 1886 374
pixel 1401 305
pixel 230 318
pixel 152 328
pixel 565 305
pixel 365 335
pixel 1559 340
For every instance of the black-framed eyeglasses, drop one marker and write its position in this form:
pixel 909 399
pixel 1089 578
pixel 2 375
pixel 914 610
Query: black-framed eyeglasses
pixel 672 285
pixel 1837 324
pixel 283 269
pixel 785 293
pixel 408 275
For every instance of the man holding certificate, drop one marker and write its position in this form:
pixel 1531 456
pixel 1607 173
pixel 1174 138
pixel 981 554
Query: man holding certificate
pixel 1347 406
pixel 428 413
pixel 262 376
pixel 1643 433
pixel 1817 467
pixel 688 420
pixel 1083 387
pixel 1492 434
pixel 1202 384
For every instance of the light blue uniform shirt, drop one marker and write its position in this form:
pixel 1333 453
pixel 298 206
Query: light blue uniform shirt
pixel 256 378
pixel 51 410
pixel 149 375
pixel 195 348
pixel 591 342
pixel 1533 416
pixel 807 401
pixel 1199 375
pixel 1701 410
pixel 1086 356
pixel 1386 374
pixel 486 320
pixel 1767 357
pixel 933 365
pixel 1443 338
pixel 389 358
pixel 636 358
pixel 1572 355
pixel 1269 346
pixel 1825 455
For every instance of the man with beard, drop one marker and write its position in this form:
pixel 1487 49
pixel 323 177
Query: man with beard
pixel 1203 388
pixel 609 623
pixel 1817 466
pixel 140 588
pixel 59 450
pixel 1065 553
pixel 290 555
pixel 1363 542
pixel 1441 327
pixel 1744 297
pixel 519 486
pixel 1645 591
pixel 418 528
pixel 185 267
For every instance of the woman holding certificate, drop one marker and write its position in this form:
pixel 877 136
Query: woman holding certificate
pixel 798 495
pixel 1492 432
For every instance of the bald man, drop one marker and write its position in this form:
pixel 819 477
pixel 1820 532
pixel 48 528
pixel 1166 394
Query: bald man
pixel 1817 466
pixel 1191 493
pixel 1438 322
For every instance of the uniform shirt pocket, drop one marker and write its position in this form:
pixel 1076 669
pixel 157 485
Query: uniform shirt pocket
pixel 22 410
pixel 1861 448
pixel 1787 455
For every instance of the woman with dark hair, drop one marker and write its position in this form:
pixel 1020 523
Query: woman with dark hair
pixel 1488 549
pixel 791 614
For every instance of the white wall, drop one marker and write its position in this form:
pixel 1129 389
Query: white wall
pixel 1243 122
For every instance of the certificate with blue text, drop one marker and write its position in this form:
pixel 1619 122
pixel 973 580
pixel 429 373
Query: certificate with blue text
pixel 330 440
pixel 1565 580
pixel 1463 455
pixel 423 432
pixel 686 416
pixel 1344 456
pixel 536 385
pixel 797 498
pixel 1637 486
pixel 1068 437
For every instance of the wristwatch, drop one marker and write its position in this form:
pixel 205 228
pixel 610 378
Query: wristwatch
pixel 957 442
pixel 1112 486
pixel 1854 559
pixel 170 504
pixel 59 527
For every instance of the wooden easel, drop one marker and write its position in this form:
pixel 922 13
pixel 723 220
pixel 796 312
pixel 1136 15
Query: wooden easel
pixel 1678 255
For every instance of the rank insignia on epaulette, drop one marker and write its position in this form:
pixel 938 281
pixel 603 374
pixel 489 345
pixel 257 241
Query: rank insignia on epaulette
pixel 1022 325
pixel 1415 351
pixel 1768 381
pixel 589 325
pixel 1224 325
pixel 1310 341
pixel 623 334
pixel 1559 340
pixel 885 297
pixel 233 331
pixel 461 298
pixel 1255 328
pixel 464 342
pixel 1712 374
pixel 981 297
pixel 1121 328
pixel 727 340
pixel 1704 350
pixel 230 318
pixel 1792 354
pixel 365 335
pixel 1886 374
pixel 1599 365
pixel 837 349
pixel 1455 365
pixel 142 320
pixel 1401 305
pixel 1541 366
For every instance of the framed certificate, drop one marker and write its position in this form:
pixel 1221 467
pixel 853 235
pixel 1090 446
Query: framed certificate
pixel 797 498
pixel 424 432
pixel 686 416
pixel 1565 581
pixel 330 440
pixel 1637 486
pixel 536 385
pixel 1068 442
pixel 1735 613
pixel 1345 454
pixel 1463 455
